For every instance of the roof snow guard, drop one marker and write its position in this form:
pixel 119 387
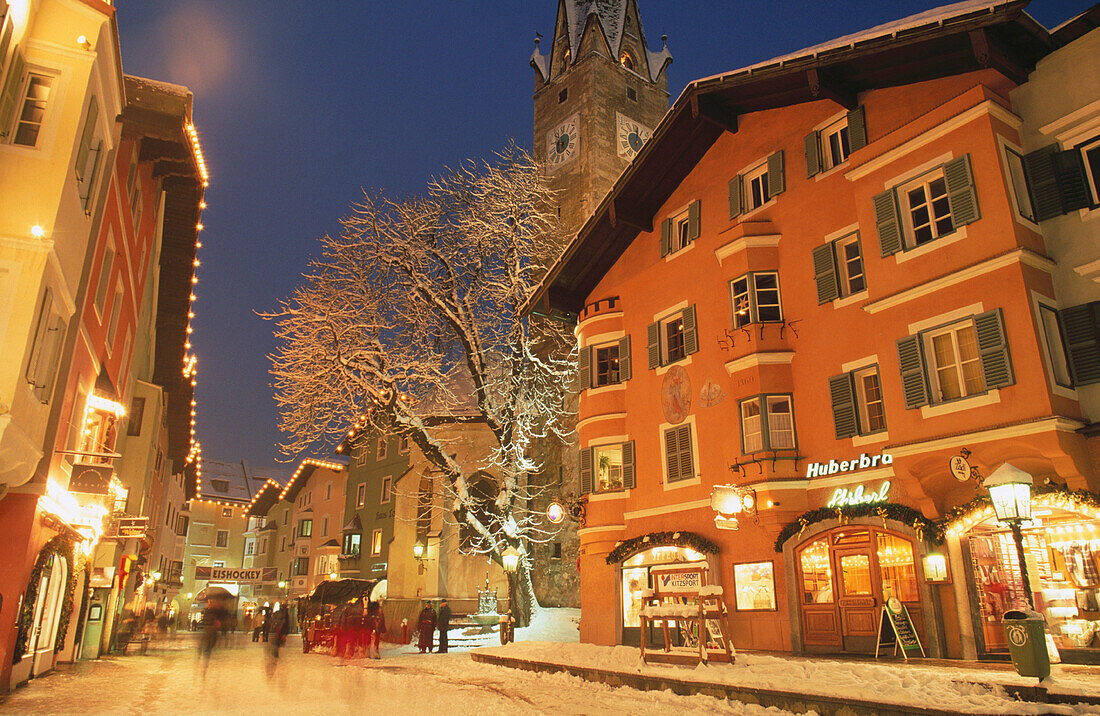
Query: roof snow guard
pixel 951 40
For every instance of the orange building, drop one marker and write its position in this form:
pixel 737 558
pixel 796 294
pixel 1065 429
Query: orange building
pixel 317 492
pixel 810 301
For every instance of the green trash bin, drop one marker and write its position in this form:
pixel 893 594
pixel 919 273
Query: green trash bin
pixel 1027 642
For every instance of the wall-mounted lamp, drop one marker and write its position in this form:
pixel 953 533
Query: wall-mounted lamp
pixel 418 550
pixel 510 559
pixel 37 231
pixel 82 40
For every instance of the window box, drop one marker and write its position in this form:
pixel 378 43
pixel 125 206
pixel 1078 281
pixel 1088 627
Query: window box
pixel 926 208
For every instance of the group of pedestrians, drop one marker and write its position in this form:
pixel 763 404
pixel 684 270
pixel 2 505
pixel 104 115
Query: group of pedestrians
pixel 429 622
pixel 361 631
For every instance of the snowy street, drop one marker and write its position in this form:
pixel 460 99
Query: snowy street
pixel 169 680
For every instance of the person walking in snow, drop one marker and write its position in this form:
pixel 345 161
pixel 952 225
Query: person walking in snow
pixel 443 623
pixel 278 629
pixel 426 622
pixel 376 627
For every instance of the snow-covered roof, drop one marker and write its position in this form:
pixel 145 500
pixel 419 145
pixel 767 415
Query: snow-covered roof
pixel 229 475
pixel 935 16
pixel 609 13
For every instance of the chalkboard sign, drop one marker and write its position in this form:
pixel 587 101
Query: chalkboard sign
pixel 895 629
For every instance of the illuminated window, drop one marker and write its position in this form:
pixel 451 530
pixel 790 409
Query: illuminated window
pixel 754 298
pixel 32 112
pixel 387 482
pixel 376 543
pixel 767 423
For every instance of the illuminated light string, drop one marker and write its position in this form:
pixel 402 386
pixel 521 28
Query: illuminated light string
pixel 334 466
pixel 1058 500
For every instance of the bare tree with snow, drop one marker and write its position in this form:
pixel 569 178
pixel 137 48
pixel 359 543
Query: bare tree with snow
pixel 411 313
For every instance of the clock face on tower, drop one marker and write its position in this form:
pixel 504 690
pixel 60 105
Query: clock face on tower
pixel 630 136
pixel 562 141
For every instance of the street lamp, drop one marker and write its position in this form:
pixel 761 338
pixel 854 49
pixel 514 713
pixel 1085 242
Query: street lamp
pixel 418 550
pixel 510 559
pixel 1010 490
pixel 332 576
pixel 282 585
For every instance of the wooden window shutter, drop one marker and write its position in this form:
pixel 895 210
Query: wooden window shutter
pixel 735 196
pixel 687 462
pixel 1069 172
pixel 628 464
pixel 693 220
pixel 843 396
pixel 825 274
pixel 672 452
pixel 8 98
pixel 960 191
pixel 36 361
pixel 666 237
pixel 691 331
pixel 913 379
pixel 1081 328
pixel 624 359
pixel 813 153
pixel 584 368
pixel 7 28
pixel 993 349
pixel 653 344
pixel 888 223
pixel 586 470
pixel 776 181
pixel 57 342
pixel 86 138
pixel 857 129
pixel 1056 181
pixel 89 186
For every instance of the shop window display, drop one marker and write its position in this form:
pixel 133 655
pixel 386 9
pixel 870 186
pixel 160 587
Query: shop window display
pixel 817 574
pixel 1062 555
pixel 637 581
pixel 754 584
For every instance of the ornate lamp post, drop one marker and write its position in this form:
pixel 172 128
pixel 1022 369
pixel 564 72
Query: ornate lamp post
pixel 510 559
pixel 1010 490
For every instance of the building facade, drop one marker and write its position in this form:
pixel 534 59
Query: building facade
pixel 808 325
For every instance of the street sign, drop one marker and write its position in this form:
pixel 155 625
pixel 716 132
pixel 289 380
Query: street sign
pixel 960 468
pixel 241 575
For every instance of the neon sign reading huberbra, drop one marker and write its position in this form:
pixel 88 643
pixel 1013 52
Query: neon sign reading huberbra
pixel 863 462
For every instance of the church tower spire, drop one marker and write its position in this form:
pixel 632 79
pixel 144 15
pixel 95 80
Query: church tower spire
pixel 599 92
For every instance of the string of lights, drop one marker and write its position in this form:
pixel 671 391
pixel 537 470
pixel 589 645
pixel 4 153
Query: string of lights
pixel 190 361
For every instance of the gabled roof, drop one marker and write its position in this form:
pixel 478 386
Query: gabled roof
pixel 306 468
pixel 957 38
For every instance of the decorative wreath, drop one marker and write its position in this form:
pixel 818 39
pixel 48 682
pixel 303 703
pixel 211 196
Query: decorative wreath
pixel 630 547
pixel 59 546
pixel 926 528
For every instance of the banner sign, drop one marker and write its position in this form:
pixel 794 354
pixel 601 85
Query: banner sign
pixel 241 575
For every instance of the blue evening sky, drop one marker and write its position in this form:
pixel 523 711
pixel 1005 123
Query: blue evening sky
pixel 300 104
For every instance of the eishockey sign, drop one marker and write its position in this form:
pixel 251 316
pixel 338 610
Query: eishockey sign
pixel 242 575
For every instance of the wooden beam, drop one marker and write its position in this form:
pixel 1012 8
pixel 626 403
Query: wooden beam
pixel 628 214
pixel 988 55
pixel 560 301
pixel 824 87
pixel 714 110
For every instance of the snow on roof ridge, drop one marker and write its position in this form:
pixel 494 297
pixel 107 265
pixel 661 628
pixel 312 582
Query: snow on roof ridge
pixel 182 90
pixel 610 14
pixel 937 15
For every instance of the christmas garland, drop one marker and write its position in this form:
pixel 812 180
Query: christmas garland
pixel 926 528
pixel 60 546
pixel 630 547
pixel 1083 497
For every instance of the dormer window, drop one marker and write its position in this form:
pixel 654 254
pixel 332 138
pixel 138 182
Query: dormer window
pixel 626 59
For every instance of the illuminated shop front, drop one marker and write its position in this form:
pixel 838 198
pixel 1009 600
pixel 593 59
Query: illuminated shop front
pixel 1062 555
pixel 637 580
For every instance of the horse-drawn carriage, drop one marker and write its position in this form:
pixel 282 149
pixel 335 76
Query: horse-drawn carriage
pixel 319 612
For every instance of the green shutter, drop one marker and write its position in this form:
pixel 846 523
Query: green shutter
pixel 1042 183
pixel 693 220
pixel 624 359
pixel 1081 328
pixel 586 470
pixel 666 237
pixel 813 153
pixel 54 358
pixel 825 274
pixel 735 196
pixel 584 368
pixel 857 129
pixel 913 380
pixel 691 332
pixel 687 463
pixel 8 98
pixel 672 453
pixel 92 176
pixel 960 191
pixel 993 349
pixel 1069 172
pixel 776 181
pixel 653 344
pixel 628 464
pixel 36 362
pixel 888 223
pixel 843 396
pixel 86 138
pixel 8 29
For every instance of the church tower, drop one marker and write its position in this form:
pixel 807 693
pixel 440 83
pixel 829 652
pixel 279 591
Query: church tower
pixel 599 94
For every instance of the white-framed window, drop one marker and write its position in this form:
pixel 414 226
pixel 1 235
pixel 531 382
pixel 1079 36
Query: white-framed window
pixel 403 445
pixel 352 541
pixel 926 211
pixel 954 363
pixel 672 338
pixel 1090 155
pixel 387 484
pixel 249 548
pixel 1018 176
pixel 767 423
pixel 678 231
pixel 835 146
pixel 757 189
pixel 605 364
pixel 839 268
pixel 607 468
pixel 1056 345
pixel 381 455
pixel 49 337
pixel 679 453
pixel 754 298
pixel 222 538
pixel 872 409
pixel 376 543
pixel 757 185
pixel 305 528
pixel 106 270
pixel 30 115
pixel 831 144
pixel 361 494
pixel 927 207
pixel 219 563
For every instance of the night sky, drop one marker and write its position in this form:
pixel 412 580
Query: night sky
pixel 300 104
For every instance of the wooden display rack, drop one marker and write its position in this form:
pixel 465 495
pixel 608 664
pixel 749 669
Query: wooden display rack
pixel 681 595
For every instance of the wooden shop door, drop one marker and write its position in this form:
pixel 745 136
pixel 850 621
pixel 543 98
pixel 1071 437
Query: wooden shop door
pixel 859 594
